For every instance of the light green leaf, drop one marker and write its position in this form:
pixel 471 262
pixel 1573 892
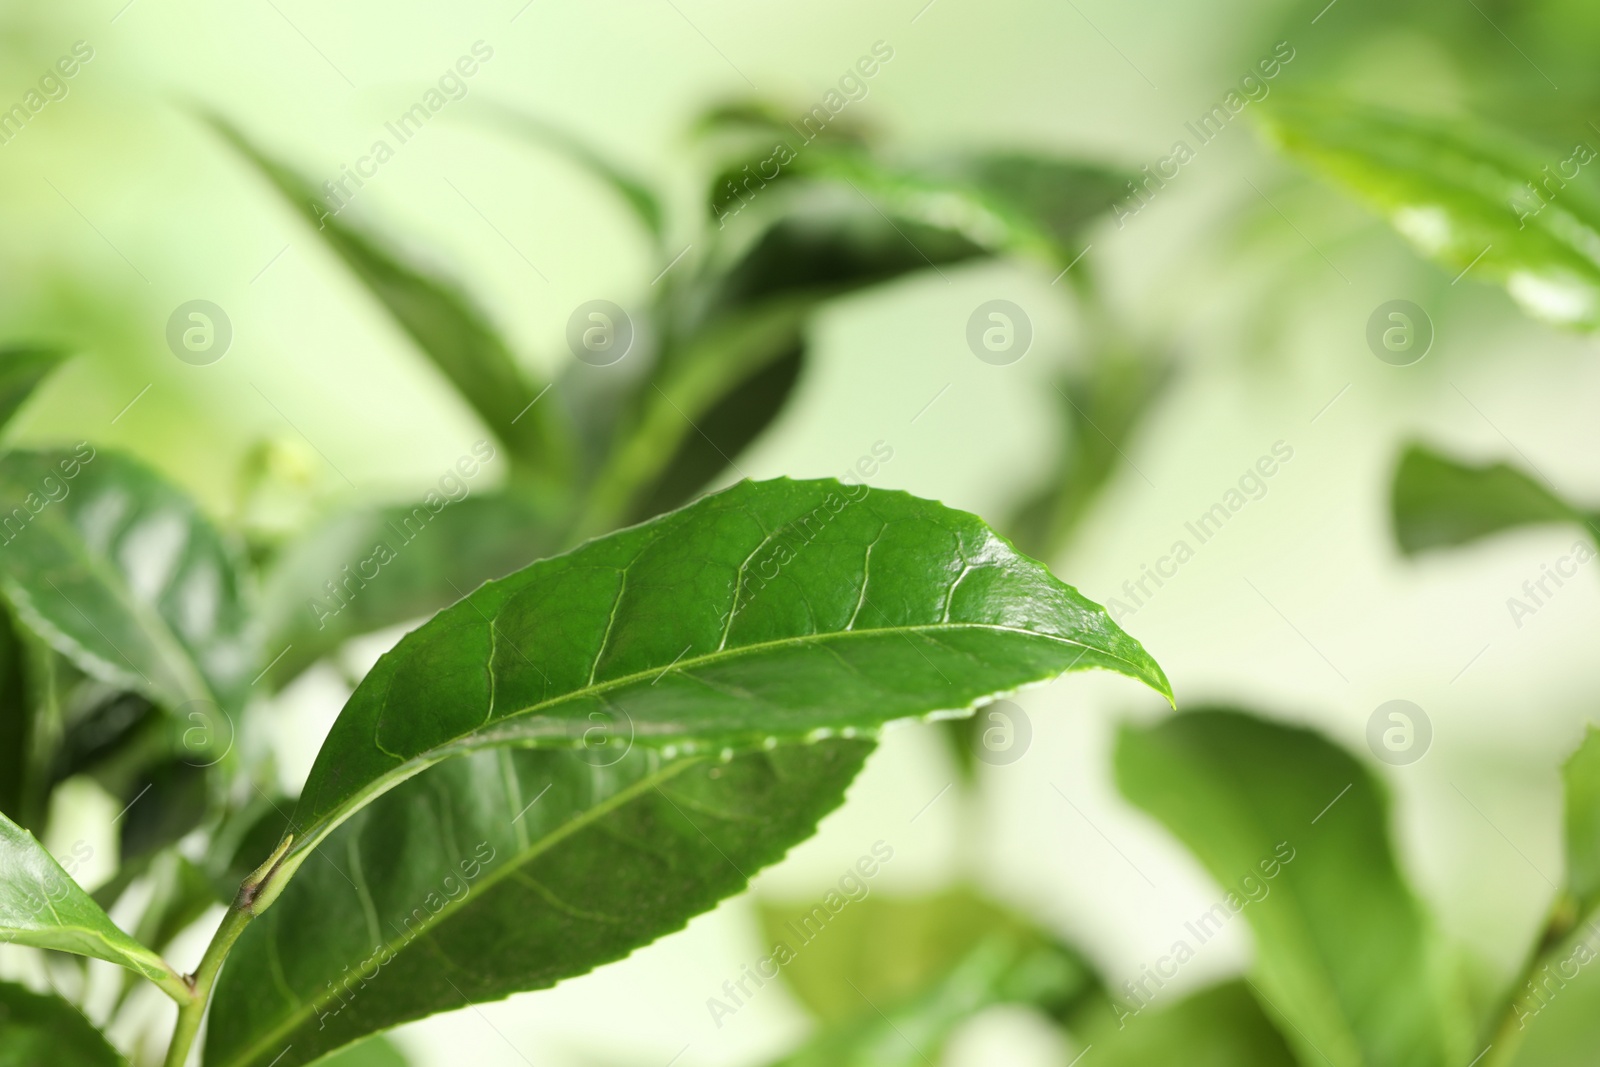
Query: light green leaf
pixel 41 906
pixel 507 871
pixel 390 565
pixel 883 949
pixel 442 321
pixel 22 369
pixel 771 612
pixel 1220 1026
pixel 120 572
pixel 1438 502
pixel 373 1052
pixel 913 1032
pixel 1581 776
pixel 36 1029
pixel 1462 195
pixel 1297 833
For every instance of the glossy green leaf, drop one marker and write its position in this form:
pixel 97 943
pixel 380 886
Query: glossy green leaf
pixel 439 318
pixel 1463 195
pixel 1438 502
pixel 38 1029
pixel 120 572
pixel 1220 1026
pixel 1581 776
pixel 366 569
pixel 881 949
pixel 1296 831
pixel 41 906
pixel 507 871
pixel 770 612
pixel 22 369
pixel 913 1032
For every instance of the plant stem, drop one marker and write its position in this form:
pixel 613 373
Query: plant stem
pixel 190 1014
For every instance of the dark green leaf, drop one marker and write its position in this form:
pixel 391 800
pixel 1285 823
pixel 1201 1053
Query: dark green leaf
pixel 1439 502
pixel 1581 776
pixel 773 611
pixel 1221 1026
pixel 120 572
pixel 442 321
pixel 913 1032
pixel 507 871
pixel 390 565
pixel 883 949
pixel 1297 832
pixel 829 254
pixel 22 368
pixel 40 905
pixel 723 432
pixel 1463 196
pixel 36 1030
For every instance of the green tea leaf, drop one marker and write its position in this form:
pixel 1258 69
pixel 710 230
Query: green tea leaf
pixel 882 949
pixel 724 431
pixel 1438 502
pixel 440 319
pixel 507 871
pixel 366 569
pixel 1581 776
pixel 373 1052
pixel 120 572
pixel 1101 409
pixel 773 611
pixel 41 906
pixel 1463 196
pixel 1220 1026
pixel 1297 831
pixel 22 369
pixel 38 1029
pixel 913 1032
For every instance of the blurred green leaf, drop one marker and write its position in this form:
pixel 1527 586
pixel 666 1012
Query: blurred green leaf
pixel 120 572
pixel 40 905
pixel 1581 777
pixel 1008 202
pixel 635 193
pixel 913 1032
pixel 38 1029
pixel 725 430
pixel 881 949
pixel 1102 408
pixel 22 369
pixel 524 867
pixel 365 569
pixel 1438 502
pixel 1347 960
pixel 373 1052
pixel 1463 195
pixel 441 320
pixel 1220 1026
